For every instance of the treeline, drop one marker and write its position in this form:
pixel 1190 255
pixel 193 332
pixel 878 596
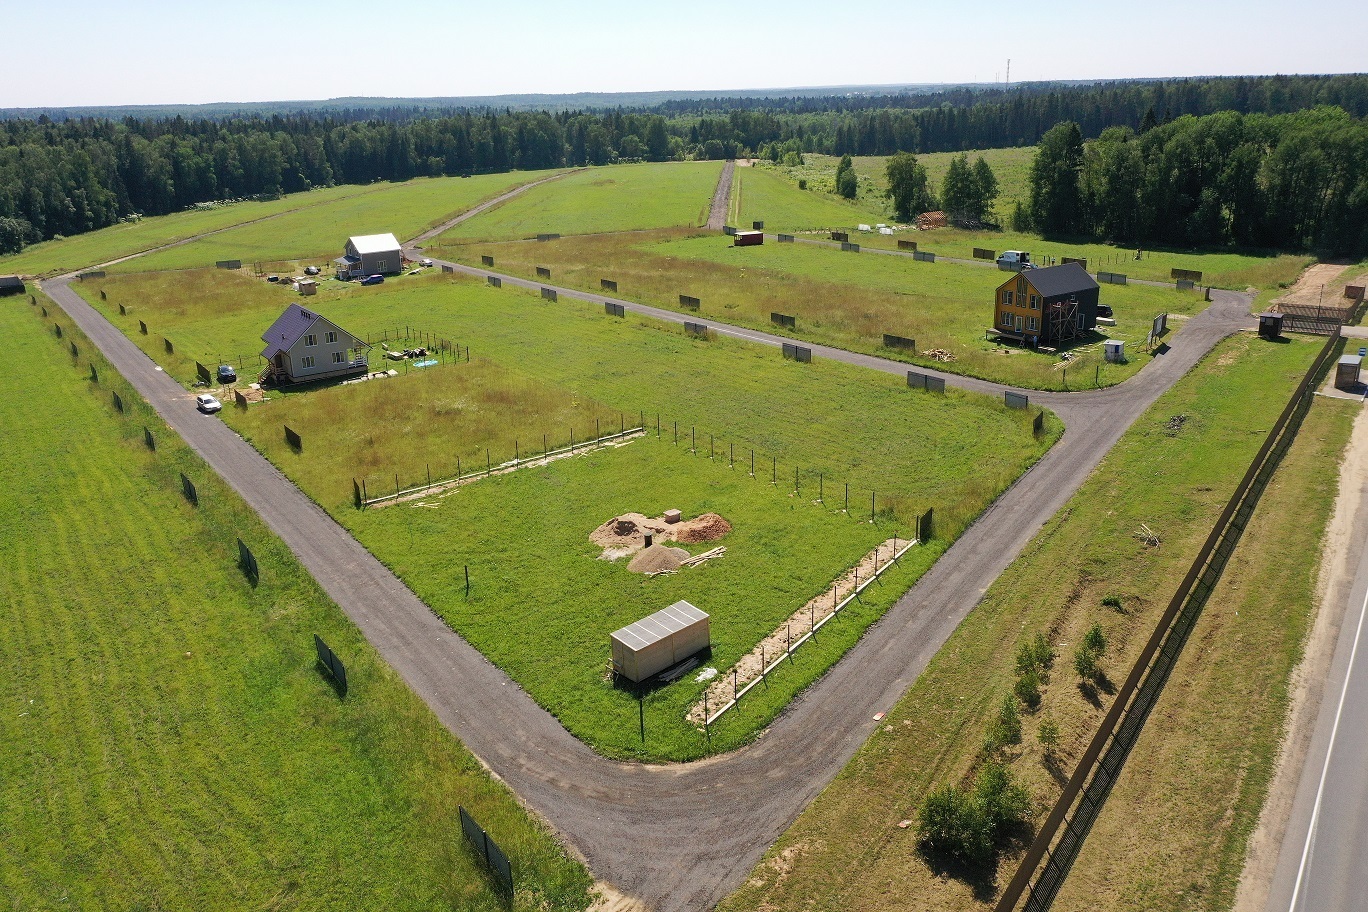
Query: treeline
pixel 1290 181
pixel 76 175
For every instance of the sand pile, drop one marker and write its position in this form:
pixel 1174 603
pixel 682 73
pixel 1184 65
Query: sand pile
pixel 707 527
pixel 658 558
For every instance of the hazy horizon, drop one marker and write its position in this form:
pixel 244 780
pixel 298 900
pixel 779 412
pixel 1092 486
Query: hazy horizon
pixel 157 53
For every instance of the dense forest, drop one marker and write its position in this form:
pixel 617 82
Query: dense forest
pixel 74 175
pixel 1292 181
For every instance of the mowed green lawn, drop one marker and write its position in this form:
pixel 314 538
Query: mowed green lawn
pixel 610 198
pixel 761 193
pixel 543 604
pixel 166 739
pixel 841 299
pixel 851 423
pixel 64 255
pixel 847 849
pixel 318 233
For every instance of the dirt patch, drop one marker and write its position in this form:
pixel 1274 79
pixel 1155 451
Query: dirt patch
pixel 610 900
pixel 626 534
pixel 708 527
pixel 1320 285
pixel 1308 680
pixel 658 559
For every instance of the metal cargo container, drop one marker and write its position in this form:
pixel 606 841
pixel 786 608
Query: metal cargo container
pixel 666 638
pixel 749 238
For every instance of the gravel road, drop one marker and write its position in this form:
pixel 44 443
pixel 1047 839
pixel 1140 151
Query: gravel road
pixel 675 837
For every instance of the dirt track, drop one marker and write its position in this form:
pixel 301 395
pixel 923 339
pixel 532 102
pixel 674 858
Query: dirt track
pixel 721 201
pixel 676 837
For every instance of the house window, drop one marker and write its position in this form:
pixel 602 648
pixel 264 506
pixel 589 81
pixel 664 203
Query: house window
pixel 380 265
pixel 1031 323
pixel 308 361
pixel 337 357
pixel 1007 298
pixel 1006 318
pixel 311 339
pixel 1035 302
pixel 332 337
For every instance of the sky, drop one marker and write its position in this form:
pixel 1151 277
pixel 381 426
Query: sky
pixel 94 52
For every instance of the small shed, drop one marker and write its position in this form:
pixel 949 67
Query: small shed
pixel 654 643
pixel 1114 351
pixel 1270 325
pixel 1347 372
pixel 11 285
pixel 308 287
pixel 749 238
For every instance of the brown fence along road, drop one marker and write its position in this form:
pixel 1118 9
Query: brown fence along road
pixel 676 837
pixel 1105 755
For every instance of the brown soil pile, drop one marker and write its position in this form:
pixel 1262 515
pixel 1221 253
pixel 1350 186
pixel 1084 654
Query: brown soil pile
pixel 657 558
pixel 708 527
pixel 625 534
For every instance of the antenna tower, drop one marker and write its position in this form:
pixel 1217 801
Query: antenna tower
pixel 1008 80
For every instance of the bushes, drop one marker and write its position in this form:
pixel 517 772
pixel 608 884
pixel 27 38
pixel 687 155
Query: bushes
pixel 970 826
pixel 1005 729
pixel 1089 653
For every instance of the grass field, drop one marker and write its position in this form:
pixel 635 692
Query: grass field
pixel 58 256
pixel 783 207
pixel 952 453
pixel 1199 774
pixel 1011 166
pixel 317 234
pixel 840 299
pixel 167 740
pixel 846 850
pixel 613 198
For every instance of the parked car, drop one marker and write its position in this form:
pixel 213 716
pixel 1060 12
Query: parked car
pixel 207 403
pixel 273 278
pixel 1104 310
pixel 373 280
pixel 311 270
pixel 425 262
pixel 226 374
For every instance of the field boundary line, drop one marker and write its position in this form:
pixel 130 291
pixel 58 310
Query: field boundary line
pixel 442 485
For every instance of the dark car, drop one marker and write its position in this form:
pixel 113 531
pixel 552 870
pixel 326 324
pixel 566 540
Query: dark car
pixel 226 374
pixel 1104 310
pixel 373 280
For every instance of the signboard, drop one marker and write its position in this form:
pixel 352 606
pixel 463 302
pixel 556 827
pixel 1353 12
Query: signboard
pixel 1015 400
pixel 690 302
pixel 797 353
pixel 785 320
pixel 608 285
pixel 549 294
pixel 892 341
pixel 614 310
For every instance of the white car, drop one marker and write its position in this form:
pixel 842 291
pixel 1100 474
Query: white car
pixel 425 262
pixel 207 403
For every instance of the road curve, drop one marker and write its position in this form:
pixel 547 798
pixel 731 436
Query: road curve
pixel 678 837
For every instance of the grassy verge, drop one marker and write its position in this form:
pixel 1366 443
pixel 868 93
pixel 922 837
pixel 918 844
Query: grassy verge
pixel 613 198
pixel 167 740
pixel 318 233
pixel 1200 773
pixel 1172 474
pixel 840 299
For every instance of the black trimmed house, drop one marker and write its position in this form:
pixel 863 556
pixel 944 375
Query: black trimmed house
pixel 1050 307
pixel 370 254
pixel 302 346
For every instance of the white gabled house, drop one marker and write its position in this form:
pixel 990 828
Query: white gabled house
pixel 370 254
pixel 302 345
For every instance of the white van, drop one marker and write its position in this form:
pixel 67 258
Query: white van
pixel 1014 259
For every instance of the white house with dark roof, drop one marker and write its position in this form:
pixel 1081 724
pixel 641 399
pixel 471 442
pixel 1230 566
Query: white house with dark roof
pixel 302 345
pixel 370 254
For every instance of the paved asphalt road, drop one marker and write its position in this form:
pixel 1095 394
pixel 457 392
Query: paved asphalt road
pixel 678 837
pixel 1325 847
